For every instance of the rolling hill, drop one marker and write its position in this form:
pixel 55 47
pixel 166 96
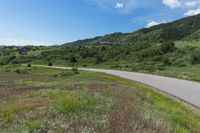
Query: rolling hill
pixel 186 28
pixel 171 49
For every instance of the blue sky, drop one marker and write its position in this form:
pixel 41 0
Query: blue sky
pixel 51 22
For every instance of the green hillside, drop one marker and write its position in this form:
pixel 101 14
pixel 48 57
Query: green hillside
pixel 184 28
pixel 193 36
pixel 157 50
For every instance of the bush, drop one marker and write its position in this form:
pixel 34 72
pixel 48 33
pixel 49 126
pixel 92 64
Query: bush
pixel 75 70
pixel 50 64
pixel 4 60
pixel 28 65
pixel 68 104
pixel 99 59
pixel 72 59
pixel 84 65
pixel 22 59
pixel 167 47
pixel 21 71
pixel 166 61
pixel 115 65
pixel 195 57
pixel 66 73
pixel 35 125
pixel 73 103
pixel 9 114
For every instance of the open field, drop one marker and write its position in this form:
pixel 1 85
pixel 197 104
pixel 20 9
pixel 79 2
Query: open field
pixel 180 59
pixel 183 44
pixel 190 72
pixel 53 100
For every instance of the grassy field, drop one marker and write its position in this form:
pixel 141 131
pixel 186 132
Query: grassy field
pixel 52 100
pixel 183 44
pixel 190 72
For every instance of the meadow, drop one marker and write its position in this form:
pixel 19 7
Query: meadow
pixel 52 100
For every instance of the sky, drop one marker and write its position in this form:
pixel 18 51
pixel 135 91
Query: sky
pixel 50 22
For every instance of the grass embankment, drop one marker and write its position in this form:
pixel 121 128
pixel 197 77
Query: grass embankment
pixel 53 100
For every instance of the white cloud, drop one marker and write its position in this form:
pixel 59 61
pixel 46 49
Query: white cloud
pixel 101 3
pixel 192 3
pixel 126 6
pixel 192 12
pixel 172 3
pixel 119 5
pixel 181 3
pixel 152 23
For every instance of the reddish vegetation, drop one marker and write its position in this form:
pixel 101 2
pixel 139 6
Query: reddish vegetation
pixel 35 102
pixel 8 93
pixel 121 118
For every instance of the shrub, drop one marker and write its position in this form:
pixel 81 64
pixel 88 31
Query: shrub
pixel 195 57
pixel 66 73
pixel 166 61
pixel 180 63
pixel 84 65
pixel 72 59
pixel 34 125
pixel 150 68
pixel 99 59
pixel 68 104
pixel 21 71
pixel 73 103
pixel 28 65
pixel 10 114
pixel 127 66
pixel 75 70
pixel 167 47
pixel 55 75
pixel 22 59
pixel 4 60
pixel 115 65
pixel 50 64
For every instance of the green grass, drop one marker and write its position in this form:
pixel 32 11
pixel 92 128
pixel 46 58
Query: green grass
pixel 87 101
pixel 159 106
pixel 183 44
pixel 34 125
pixel 8 114
pixel 71 102
pixel 190 72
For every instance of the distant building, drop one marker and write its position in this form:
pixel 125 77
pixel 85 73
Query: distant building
pixel 1 46
pixel 23 50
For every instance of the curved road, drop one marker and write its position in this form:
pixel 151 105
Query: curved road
pixel 187 91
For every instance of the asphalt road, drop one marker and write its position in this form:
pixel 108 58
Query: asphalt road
pixel 187 91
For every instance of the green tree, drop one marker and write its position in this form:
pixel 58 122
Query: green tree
pixel 99 59
pixel 167 47
pixel 72 59
pixel 195 57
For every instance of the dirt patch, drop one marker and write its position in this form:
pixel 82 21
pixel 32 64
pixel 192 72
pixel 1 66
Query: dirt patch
pixel 33 103
pixel 122 116
pixel 95 87
pixel 76 128
pixel 9 93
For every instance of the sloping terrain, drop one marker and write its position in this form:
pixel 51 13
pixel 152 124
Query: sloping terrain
pixel 52 100
pixel 194 36
pixel 39 100
pixel 158 50
pixel 177 30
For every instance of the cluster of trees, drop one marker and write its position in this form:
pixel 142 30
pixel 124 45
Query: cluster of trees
pixel 110 54
pixel 135 56
pixel 195 57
